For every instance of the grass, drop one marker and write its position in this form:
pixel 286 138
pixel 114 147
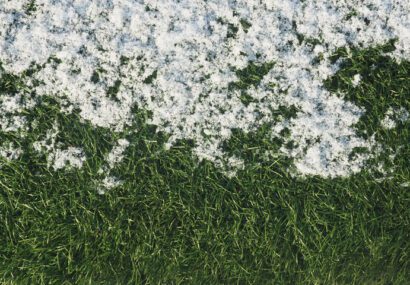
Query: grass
pixel 177 221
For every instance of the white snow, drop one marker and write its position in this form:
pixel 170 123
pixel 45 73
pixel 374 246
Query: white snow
pixel 11 107
pixel 185 44
pixel 59 156
pixel 388 122
pixel 9 151
pixel 108 183
pixel 393 116
pixel 117 153
pixel 356 80
pixel 72 157
pixel 114 157
pixel 403 115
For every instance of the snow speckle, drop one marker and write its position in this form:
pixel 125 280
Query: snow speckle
pixel 356 80
pixel 108 183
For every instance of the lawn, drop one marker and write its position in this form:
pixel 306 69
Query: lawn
pixel 143 200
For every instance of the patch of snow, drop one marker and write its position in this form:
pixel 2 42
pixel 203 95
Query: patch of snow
pixel 393 116
pixel 108 183
pixel 178 58
pixel 71 157
pixel 117 153
pixel 388 122
pixel 57 157
pixel 49 142
pixel 114 157
pixel 9 151
pixel 356 80
pixel 11 108
pixel 403 115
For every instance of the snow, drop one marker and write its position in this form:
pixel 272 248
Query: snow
pixel 393 116
pixel 185 44
pixel 114 157
pixel 11 107
pixel 108 183
pixel 388 122
pixel 58 156
pixel 356 80
pixel 9 151
pixel 117 153
pixel 72 157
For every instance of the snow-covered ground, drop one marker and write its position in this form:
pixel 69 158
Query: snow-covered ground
pixel 178 58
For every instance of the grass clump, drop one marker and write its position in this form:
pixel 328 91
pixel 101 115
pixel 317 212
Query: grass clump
pixel 384 86
pixel 249 76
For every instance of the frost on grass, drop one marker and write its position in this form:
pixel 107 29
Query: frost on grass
pixel 179 59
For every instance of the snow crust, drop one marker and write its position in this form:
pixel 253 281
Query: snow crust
pixel 178 58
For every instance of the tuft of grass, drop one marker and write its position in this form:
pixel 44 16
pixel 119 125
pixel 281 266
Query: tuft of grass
pixel 150 79
pixel 250 76
pixel 245 25
pixel 384 85
pixel 31 7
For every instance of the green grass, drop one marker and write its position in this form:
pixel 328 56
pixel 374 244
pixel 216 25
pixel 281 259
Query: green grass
pixel 177 221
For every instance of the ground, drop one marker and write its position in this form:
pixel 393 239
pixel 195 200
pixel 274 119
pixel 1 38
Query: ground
pixel 168 217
